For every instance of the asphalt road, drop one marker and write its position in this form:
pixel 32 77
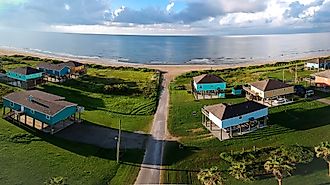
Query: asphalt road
pixel 150 172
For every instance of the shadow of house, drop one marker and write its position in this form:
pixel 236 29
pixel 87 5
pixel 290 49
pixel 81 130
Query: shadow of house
pixel 99 141
pixel 301 119
pixel 75 96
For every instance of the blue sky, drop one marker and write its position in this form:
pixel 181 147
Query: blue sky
pixel 167 17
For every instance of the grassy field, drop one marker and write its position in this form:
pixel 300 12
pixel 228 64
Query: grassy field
pixel 29 157
pixel 304 123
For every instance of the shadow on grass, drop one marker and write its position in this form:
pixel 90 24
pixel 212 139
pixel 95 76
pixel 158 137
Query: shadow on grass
pixel 301 119
pixel 309 168
pixel 96 84
pixel 88 139
pixel 75 96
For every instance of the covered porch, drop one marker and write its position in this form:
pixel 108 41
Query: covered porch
pixel 21 118
pixel 232 131
pixel 270 101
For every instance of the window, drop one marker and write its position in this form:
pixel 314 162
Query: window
pixel 11 104
pixel 32 111
pixel 48 117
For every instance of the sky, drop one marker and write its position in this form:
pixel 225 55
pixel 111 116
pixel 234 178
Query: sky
pixel 167 17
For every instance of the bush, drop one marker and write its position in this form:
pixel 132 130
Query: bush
pixel 56 181
pixel 116 89
pixel 255 158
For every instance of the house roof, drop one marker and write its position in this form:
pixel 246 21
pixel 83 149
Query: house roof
pixel 26 70
pixel 225 111
pixel 73 64
pixel 39 101
pixel 208 78
pixel 59 66
pixel 323 74
pixel 314 60
pixel 318 60
pixel 269 84
pixel 50 66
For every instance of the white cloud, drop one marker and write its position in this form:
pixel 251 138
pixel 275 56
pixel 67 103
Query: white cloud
pixel 118 11
pixel 129 29
pixel 214 16
pixel 67 7
pixel 170 6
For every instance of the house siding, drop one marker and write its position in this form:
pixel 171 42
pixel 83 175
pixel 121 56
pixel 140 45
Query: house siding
pixel 62 72
pixel 210 86
pixel 322 80
pixel 62 115
pixel 244 118
pixel 273 93
pixel 279 92
pixel 312 65
pixel 22 77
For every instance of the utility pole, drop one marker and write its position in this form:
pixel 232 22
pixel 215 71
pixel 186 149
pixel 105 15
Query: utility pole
pixel 283 79
pixel 118 141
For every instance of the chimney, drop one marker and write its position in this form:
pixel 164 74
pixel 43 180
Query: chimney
pixel 30 98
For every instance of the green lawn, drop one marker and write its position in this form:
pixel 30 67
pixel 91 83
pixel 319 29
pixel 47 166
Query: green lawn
pixel 29 157
pixel 306 123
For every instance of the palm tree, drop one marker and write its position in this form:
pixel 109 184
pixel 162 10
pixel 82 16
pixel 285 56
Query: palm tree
pixel 278 167
pixel 239 171
pixel 211 176
pixel 323 150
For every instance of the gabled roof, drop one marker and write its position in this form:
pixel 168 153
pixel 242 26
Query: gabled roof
pixel 269 84
pixel 323 74
pixel 208 78
pixel 26 70
pixel 56 67
pixel 225 111
pixel 73 64
pixel 318 60
pixel 39 101
pixel 59 66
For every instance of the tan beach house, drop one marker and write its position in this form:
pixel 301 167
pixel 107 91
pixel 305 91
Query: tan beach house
pixel 322 79
pixel 269 92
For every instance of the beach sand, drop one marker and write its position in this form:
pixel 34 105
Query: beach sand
pixel 171 70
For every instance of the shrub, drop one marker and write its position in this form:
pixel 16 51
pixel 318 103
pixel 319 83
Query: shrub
pixel 56 181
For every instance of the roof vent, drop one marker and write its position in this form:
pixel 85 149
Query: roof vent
pixel 30 98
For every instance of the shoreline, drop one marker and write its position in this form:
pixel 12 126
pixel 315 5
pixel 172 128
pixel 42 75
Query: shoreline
pixel 172 70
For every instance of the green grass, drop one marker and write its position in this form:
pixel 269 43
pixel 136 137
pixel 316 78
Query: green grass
pixel 306 123
pixel 41 157
pixel 29 157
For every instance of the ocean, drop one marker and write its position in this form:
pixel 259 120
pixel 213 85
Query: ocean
pixel 172 49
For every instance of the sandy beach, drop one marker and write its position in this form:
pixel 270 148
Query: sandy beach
pixel 171 70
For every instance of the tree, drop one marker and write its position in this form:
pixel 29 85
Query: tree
pixel 323 150
pixel 278 167
pixel 239 171
pixel 211 176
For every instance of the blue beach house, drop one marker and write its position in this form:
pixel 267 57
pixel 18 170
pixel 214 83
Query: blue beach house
pixel 237 90
pixel 25 77
pixel 54 70
pixel 235 117
pixel 41 110
pixel 209 83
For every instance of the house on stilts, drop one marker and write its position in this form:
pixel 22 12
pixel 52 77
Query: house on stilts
pixel 43 111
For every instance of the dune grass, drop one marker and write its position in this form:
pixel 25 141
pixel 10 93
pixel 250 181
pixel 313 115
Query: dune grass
pixel 304 123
